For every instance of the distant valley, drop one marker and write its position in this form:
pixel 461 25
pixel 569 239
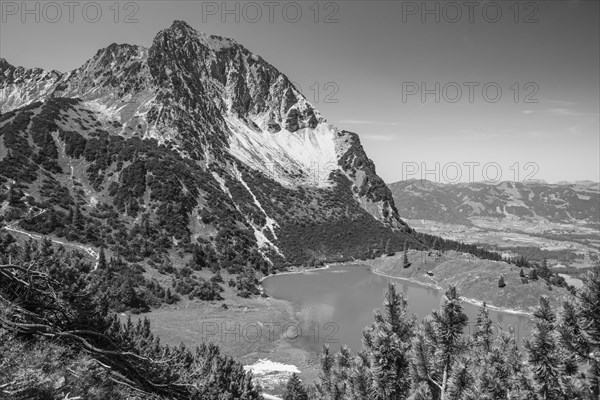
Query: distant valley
pixel 559 222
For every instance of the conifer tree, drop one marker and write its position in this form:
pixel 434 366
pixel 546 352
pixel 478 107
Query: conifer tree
pixel 543 351
pixel 460 385
pixel 405 262
pixel 27 250
pixel 533 274
pixel 46 247
pixel 102 259
pixel 438 345
pixel 324 385
pixel 294 389
pixel 168 296
pixel 544 271
pixel 361 380
pixel 11 196
pixel 498 371
pixel 483 335
pixel 387 342
pixel 76 219
pixel 501 282
pixel 579 328
pixel 343 364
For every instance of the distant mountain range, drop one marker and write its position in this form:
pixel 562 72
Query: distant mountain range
pixel 577 202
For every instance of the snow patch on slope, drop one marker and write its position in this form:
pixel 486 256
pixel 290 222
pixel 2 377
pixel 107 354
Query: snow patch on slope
pixel 261 239
pixel 27 91
pixel 270 224
pixel 265 366
pixel 306 156
pixel 222 184
pixel 107 113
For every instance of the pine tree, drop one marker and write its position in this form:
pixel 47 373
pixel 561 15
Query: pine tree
pixel 11 196
pixel 544 271
pixel 27 250
pixel 501 282
pixel 169 296
pixel 543 351
pixel 497 370
pixel 387 342
pixel 405 262
pixel 533 275
pixel 46 247
pixel 484 334
pixel 579 328
pixel 102 259
pixel 76 219
pixel 343 364
pixel 294 389
pixel 325 385
pixel 460 385
pixel 521 262
pixel 361 380
pixel 522 273
pixel 437 347
pixel 128 297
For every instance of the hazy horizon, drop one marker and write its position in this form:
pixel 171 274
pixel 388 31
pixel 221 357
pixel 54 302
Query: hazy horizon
pixel 363 65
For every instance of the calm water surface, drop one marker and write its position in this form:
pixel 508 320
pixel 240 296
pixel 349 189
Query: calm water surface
pixel 335 304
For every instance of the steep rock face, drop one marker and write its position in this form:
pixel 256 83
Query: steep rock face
pixel 370 189
pixel 114 73
pixel 20 86
pixel 232 122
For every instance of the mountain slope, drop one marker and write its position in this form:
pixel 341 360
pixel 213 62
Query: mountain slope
pixel 570 203
pixel 194 143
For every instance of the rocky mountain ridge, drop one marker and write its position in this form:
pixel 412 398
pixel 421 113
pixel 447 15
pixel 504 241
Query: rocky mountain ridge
pixel 568 203
pixel 256 166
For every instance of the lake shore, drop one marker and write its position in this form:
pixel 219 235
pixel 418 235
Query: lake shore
pixel 465 299
pixel 476 280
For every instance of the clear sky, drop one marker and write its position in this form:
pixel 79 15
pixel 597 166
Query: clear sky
pixel 364 64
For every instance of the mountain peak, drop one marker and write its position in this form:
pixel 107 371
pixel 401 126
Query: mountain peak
pixel 183 27
pixel 182 30
pixel 4 65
